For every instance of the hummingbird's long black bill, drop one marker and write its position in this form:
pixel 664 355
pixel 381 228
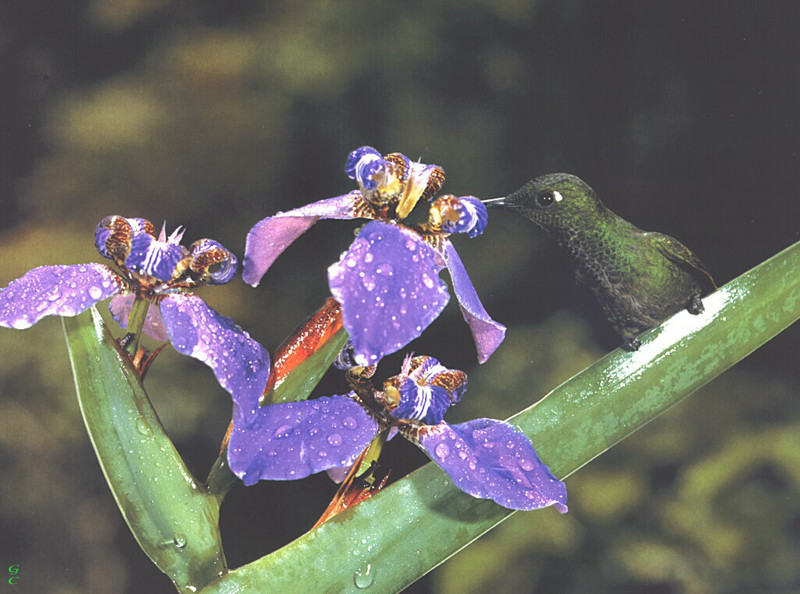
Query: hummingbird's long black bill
pixel 495 201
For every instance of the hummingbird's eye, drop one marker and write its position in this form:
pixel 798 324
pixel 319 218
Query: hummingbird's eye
pixel 548 198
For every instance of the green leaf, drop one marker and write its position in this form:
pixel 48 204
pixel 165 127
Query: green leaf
pixel 395 537
pixel 171 516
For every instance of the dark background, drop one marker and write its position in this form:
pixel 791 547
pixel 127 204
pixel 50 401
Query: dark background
pixel 683 116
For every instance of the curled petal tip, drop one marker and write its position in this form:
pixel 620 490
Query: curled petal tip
pixel 212 262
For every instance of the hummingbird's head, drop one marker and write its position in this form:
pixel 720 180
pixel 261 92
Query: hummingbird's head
pixel 553 201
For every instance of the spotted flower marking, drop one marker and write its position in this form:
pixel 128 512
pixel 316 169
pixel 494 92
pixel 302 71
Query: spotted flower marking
pixel 388 280
pixel 485 458
pixel 157 269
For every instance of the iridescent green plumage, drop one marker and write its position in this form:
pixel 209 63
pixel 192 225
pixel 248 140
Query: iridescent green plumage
pixel 639 277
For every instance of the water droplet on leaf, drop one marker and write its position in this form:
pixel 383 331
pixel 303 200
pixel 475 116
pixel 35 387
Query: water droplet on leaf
pixel 142 427
pixel 364 576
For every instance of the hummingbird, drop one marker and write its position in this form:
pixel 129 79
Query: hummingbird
pixel 639 277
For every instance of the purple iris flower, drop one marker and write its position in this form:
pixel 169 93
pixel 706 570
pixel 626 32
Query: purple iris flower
pixel 388 280
pixel 156 269
pixel 486 458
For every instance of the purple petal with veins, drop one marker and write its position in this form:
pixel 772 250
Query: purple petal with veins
pixel 472 218
pixel 153 257
pixel 55 291
pixel 487 333
pixel 271 236
pixel 240 364
pixel 492 460
pixel 295 439
pixel 389 288
pixel 120 308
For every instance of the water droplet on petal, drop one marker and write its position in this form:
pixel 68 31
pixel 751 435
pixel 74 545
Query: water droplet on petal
pixel 351 262
pixel 368 257
pixel 283 431
pixel 368 282
pixel 526 465
pixel 179 540
pixel 427 281
pixel 95 292
pixel 364 576
pixel 442 451
pixel 349 423
pixel 53 295
pixel 335 439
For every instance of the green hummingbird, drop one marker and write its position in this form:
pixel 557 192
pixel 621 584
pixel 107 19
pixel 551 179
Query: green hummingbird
pixel 639 277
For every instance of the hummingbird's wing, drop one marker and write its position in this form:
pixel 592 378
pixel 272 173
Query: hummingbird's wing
pixel 675 251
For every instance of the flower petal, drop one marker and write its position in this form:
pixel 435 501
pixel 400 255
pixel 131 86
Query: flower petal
pixel 240 364
pixel 212 263
pixel 469 215
pixel 120 308
pixel 389 288
pixel 55 291
pixel 295 439
pixel 492 460
pixel 271 236
pixel 487 333
pixel 151 257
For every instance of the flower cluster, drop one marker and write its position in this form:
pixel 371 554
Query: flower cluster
pixel 387 290
pixel 486 458
pixel 153 270
pixel 388 280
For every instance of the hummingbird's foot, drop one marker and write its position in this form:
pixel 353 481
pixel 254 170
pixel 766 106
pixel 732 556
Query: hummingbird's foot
pixel 696 305
pixel 631 343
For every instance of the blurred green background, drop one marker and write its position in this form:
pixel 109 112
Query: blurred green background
pixel 213 114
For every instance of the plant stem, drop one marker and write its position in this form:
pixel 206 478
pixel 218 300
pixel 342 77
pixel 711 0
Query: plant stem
pixel 136 318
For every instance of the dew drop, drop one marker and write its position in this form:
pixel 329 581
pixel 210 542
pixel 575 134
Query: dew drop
pixel 368 282
pixel 179 540
pixel 335 439
pixel 349 423
pixel 364 576
pixel 427 281
pixel 442 451
pixel 142 427
pixel 351 262
pixel 526 465
pixel 283 431
pixel 53 295
pixel 385 269
pixel 368 257
pixel 95 292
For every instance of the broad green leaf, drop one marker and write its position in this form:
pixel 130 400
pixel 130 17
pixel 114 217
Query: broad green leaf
pixel 171 516
pixel 395 537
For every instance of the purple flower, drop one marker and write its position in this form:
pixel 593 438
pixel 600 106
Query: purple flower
pixel 486 458
pixel 388 280
pixel 155 269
